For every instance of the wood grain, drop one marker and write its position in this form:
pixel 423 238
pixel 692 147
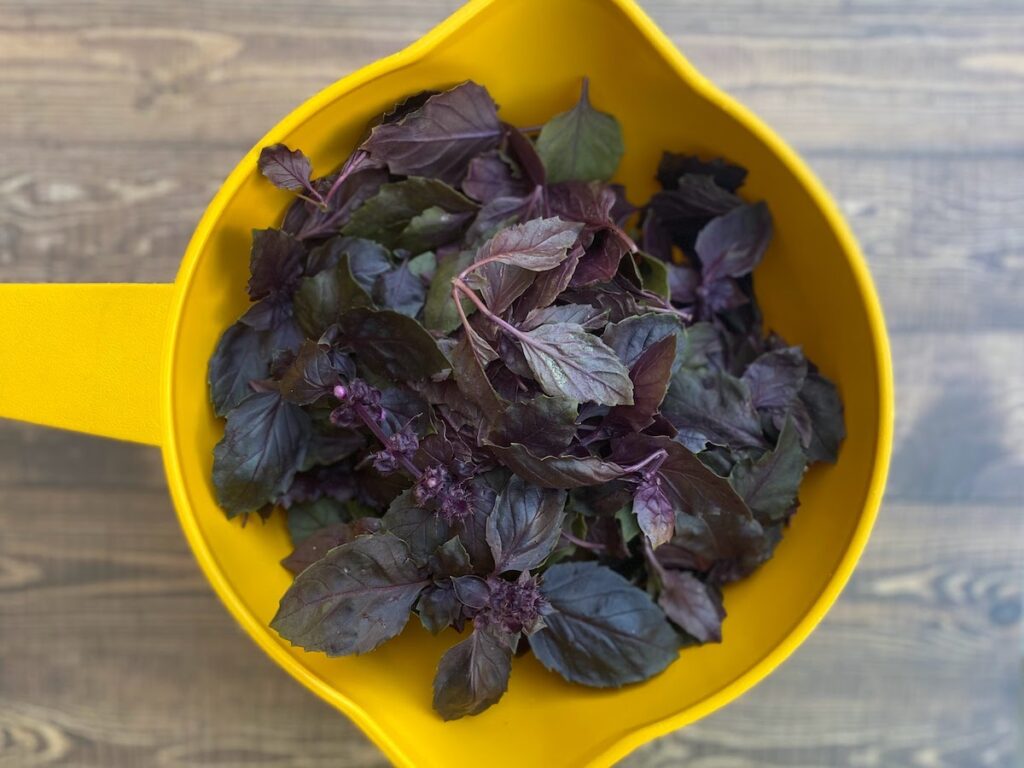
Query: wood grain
pixel 119 119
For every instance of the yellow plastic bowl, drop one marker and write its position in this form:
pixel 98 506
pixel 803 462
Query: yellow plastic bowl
pixel 531 55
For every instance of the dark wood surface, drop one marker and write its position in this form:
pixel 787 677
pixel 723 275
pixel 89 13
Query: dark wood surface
pixel 118 120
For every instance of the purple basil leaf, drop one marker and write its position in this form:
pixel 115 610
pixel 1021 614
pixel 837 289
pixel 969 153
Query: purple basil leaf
pixel 401 290
pixel 610 298
pixel 655 238
pixel 392 344
pixel 323 540
pixel 421 530
pixel 581 144
pixel 329 445
pixel 313 374
pixel 568 361
pixel 712 407
pixel 524 525
pixel 491 176
pixel 590 318
pixel 693 605
pixel 356 597
pixel 632 336
pixel 733 244
pixel 547 286
pixel 776 378
pixel 545 425
pixel 306 519
pixel 450 559
pixel 237 361
pixel 438 607
pixel 440 138
pixel 407 106
pixel 287 169
pixel 471 591
pixel 500 212
pixel 367 260
pixel 683 283
pixel 555 471
pixel 275 263
pixel 654 512
pixel 525 154
pixel 769 485
pixel 601 259
pixel 692 488
pixel 500 284
pixel 601 630
pixel 417 214
pixel 363 179
pixel 673 166
pixel 694 198
pixel 650 375
pixel 537 245
pixel 472 529
pixel 471 378
pixel 264 444
pixel 588 203
pixel 473 674
pixel 825 410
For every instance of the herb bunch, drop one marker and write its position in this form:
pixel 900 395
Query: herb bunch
pixel 488 391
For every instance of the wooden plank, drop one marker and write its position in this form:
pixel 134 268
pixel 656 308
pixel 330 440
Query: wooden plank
pixel 125 116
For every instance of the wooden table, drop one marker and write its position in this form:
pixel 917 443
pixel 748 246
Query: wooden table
pixel 118 120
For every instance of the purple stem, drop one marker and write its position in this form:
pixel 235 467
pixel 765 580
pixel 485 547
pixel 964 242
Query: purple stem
pixel 458 286
pixel 658 456
pixel 351 165
pixel 374 427
pixel 591 545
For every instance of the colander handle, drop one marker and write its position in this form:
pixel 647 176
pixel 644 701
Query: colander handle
pixel 84 357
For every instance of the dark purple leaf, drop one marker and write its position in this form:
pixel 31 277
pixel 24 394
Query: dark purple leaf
pixel 306 519
pixel 264 444
pixel 693 489
pixel 407 106
pixel 287 169
pixel 323 540
pixel 568 361
pixel 733 244
pixel 472 379
pixel 692 604
pixel 238 360
pixel 363 178
pixel 524 525
pixel 501 212
pixel 441 137
pixel 654 512
pixel 392 344
pixel 600 260
pixel 547 286
pixel 683 283
pixel 450 559
pixel 726 175
pixel 491 176
pixel 401 290
pixel 421 529
pixel 825 410
pixel 650 375
pixel 275 263
pixel 555 471
pixel 356 597
pixel 525 154
pixel 438 607
pixel 417 214
pixel 601 631
pixel 631 337
pixel 712 407
pixel 313 374
pixel 537 245
pixel 590 318
pixel 473 674
pixel 769 485
pixel 545 425
pixel 694 199
pixel 776 378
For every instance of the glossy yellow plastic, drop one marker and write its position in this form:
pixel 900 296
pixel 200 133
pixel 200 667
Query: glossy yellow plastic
pixel 129 361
